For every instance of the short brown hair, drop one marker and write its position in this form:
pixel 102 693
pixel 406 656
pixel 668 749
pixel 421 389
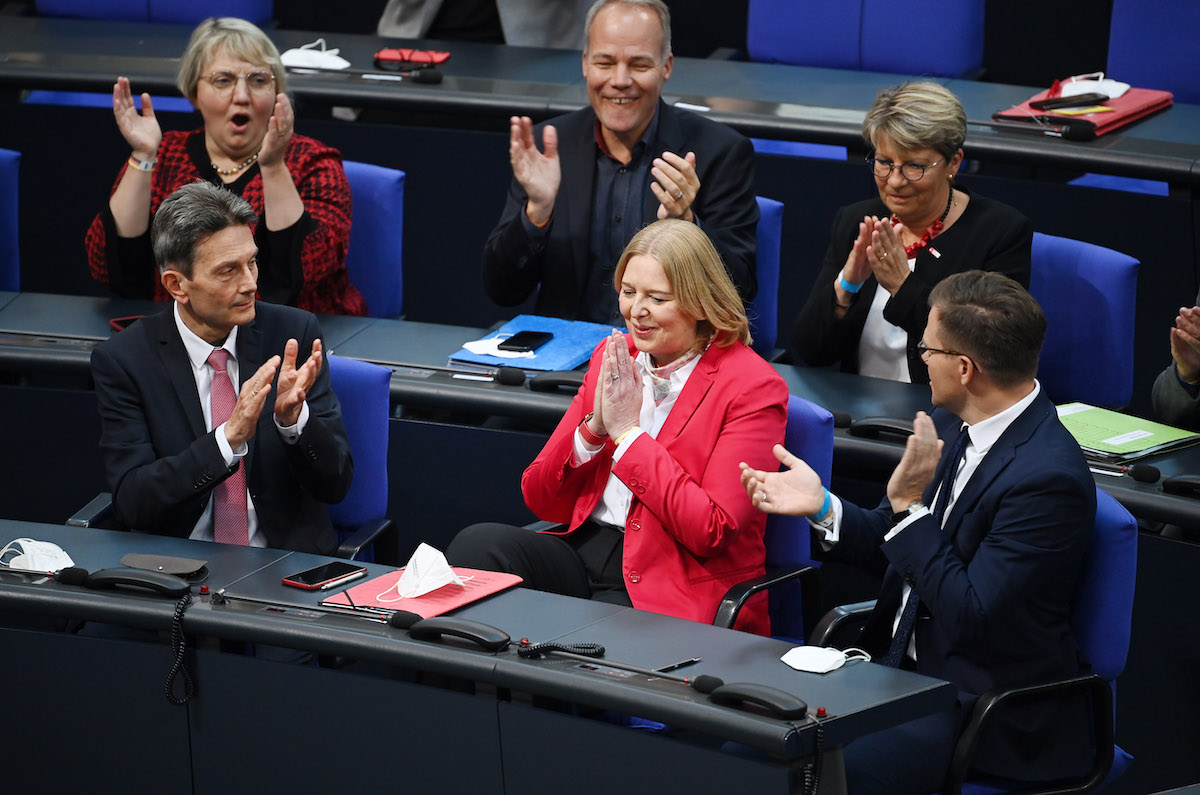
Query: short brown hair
pixel 917 115
pixel 698 279
pixel 994 320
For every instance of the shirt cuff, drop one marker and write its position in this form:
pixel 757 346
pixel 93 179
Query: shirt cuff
pixel 291 434
pixel 1192 389
pixel 829 528
pixel 912 517
pixel 228 454
pixel 629 439
pixel 534 231
pixel 581 451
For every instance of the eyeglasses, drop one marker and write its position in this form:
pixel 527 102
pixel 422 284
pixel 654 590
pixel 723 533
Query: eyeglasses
pixel 913 172
pixel 257 82
pixel 923 349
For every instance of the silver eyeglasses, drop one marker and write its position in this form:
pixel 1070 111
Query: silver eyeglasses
pixel 258 82
pixel 913 172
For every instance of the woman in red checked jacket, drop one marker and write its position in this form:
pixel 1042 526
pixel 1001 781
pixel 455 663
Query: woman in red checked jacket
pixel 642 471
pixel 232 74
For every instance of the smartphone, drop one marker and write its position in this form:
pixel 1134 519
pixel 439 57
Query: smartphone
pixel 1077 101
pixel 526 341
pixel 322 578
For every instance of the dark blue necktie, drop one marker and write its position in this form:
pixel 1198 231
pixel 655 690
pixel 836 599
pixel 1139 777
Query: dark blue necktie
pixel 908 616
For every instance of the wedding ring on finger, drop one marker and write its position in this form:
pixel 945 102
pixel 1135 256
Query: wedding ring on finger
pixel 883 255
pixel 616 377
pixel 679 196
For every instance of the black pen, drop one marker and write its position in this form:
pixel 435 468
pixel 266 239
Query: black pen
pixel 675 665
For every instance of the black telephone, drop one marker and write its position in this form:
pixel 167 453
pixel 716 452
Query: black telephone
pixel 875 427
pixel 483 635
pixel 1183 485
pixel 773 700
pixel 155 581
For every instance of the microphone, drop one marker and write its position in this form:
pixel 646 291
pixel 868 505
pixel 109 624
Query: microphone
pixel 1142 473
pixel 509 376
pixel 71 575
pixel 428 76
pixel 403 619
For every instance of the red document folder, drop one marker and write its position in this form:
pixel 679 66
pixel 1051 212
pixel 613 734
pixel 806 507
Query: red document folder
pixel 379 594
pixel 1134 104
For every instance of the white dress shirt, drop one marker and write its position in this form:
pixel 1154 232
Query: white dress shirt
pixel 882 347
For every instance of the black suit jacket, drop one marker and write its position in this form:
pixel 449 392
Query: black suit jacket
pixel 514 265
pixel 162 466
pixel 997 583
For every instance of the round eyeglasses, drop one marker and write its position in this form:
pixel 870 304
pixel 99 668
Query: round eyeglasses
pixel 913 172
pixel 258 82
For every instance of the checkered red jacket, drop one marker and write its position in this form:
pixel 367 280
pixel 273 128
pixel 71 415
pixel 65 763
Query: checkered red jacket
pixel 304 265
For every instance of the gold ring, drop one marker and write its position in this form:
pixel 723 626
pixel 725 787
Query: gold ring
pixel 883 255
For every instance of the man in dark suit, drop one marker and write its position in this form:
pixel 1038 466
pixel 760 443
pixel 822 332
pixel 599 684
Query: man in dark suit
pixel 257 477
pixel 988 535
pixel 611 168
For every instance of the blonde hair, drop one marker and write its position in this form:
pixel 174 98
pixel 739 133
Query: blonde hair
pixel 917 115
pixel 241 39
pixel 698 279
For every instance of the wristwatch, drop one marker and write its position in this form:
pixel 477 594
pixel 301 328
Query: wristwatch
pixel 913 507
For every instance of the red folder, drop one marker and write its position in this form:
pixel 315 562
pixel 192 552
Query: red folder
pixel 1134 104
pixel 379 594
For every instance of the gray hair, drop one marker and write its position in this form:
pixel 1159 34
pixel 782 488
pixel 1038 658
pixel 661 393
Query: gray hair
pixel 917 115
pixel 191 215
pixel 241 39
pixel 656 6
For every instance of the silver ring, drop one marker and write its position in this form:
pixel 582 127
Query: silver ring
pixel 679 196
pixel 615 377
pixel 762 495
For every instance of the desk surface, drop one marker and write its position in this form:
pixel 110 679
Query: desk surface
pixel 859 697
pixel 486 81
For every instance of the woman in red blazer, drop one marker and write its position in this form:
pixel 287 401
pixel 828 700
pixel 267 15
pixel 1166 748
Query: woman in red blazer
pixel 642 471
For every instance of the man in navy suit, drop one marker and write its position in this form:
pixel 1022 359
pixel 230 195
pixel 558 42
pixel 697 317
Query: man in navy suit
pixel 609 169
pixel 164 458
pixel 995 576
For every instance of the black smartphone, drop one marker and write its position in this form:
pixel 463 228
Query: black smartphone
pixel 1077 101
pixel 526 341
pixel 325 577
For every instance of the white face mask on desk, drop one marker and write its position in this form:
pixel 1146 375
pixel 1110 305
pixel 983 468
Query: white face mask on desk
pixel 820 659
pixel 31 555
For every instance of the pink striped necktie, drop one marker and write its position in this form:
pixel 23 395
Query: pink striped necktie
pixel 231 523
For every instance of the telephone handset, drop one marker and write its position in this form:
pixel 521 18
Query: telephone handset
pixel 483 635
pixel 156 581
pixel 875 427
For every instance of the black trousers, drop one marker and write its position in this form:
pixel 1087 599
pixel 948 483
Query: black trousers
pixel 586 563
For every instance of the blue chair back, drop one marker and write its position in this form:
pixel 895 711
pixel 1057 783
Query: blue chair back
pixel 861 34
pixel 363 389
pixel 1102 617
pixel 10 220
pixel 375 261
pixel 1151 44
pixel 1088 294
pixel 764 309
pixel 809 436
pixel 175 11
pixel 1103 614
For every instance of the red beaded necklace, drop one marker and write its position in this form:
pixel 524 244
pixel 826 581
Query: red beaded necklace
pixel 931 232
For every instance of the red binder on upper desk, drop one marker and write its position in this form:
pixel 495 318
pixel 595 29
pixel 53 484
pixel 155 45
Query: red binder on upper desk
pixel 1134 104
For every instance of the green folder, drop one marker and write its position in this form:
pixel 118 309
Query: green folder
pixel 1110 435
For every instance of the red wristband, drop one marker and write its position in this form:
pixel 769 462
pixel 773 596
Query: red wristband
pixel 588 435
